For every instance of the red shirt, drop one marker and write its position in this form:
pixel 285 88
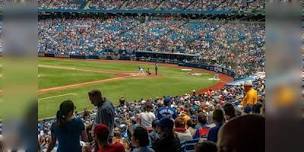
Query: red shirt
pixel 116 147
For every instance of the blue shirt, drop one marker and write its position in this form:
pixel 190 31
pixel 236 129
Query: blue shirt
pixel 69 135
pixel 166 111
pixel 212 134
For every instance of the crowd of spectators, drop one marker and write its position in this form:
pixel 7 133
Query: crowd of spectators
pixel 236 45
pixel 60 4
pixel 156 4
pixel 178 123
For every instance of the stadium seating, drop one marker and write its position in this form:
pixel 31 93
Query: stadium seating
pixel 244 5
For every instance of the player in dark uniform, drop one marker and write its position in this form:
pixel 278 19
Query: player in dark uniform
pixel 156 68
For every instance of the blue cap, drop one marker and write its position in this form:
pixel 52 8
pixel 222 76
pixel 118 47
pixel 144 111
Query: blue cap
pixel 167 100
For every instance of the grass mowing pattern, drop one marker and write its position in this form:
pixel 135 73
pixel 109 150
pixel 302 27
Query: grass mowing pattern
pixel 172 82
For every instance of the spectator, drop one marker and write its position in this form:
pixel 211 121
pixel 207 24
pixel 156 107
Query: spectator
pixel 168 140
pixel 105 110
pixel 180 129
pixel 243 134
pixel 1 143
pixel 140 140
pixel 202 129
pixel 154 135
pixel 250 98
pixel 191 127
pixel 67 129
pixel 166 111
pixel 146 117
pixel 102 134
pixel 229 111
pixel 218 118
pixel 206 146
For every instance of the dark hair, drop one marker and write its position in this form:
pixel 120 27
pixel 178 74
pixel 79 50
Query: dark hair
pixel 229 110
pixel 154 123
pixel 190 123
pixel 202 118
pixel 65 108
pixel 95 93
pixel 218 115
pixel 148 106
pixel 206 146
pixel 142 136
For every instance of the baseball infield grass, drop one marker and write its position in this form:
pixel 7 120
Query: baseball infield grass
pixel 61 72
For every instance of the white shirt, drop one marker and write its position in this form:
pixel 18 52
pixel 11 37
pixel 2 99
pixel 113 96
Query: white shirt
pixel 146 119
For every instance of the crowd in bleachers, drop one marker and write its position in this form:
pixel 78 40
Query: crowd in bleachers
pixel 60 4
pixel 157 4
pixel 197 118
pixel 235 45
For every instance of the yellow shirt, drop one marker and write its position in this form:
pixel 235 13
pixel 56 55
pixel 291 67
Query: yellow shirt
pixel 251 97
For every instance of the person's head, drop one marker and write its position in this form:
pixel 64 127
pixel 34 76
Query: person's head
pixel 166 127
pixel 65 112
pixel 202 118
pixel 179 123
pixel 190 123
pixel 117 133
pixel 229 111
pixel 154 124
pixel 206 146
pixel 140 137
pixel 218 116
pixel 167 101
pixel 244 133
pixel 247 86
pixel 148 106
pixel 95 97
pixel 101 133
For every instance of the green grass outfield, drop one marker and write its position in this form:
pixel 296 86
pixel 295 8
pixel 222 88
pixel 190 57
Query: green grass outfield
pixel 59 72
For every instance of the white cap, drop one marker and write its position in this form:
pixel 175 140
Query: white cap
pixel 248 83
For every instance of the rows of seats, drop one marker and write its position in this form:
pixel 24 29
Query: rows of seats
pixel 156 4
pixel 189 107
pixel 236 45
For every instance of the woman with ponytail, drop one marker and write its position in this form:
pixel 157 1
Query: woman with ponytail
pixel 67 129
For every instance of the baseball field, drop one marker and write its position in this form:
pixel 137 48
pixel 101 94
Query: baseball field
pixel 61 79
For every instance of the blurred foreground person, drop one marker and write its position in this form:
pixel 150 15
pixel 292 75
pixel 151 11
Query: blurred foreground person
pixel 140 140
pixel 67 129
pixel 102 133
pixel 206 146
pixel 168 141
pixel 243 134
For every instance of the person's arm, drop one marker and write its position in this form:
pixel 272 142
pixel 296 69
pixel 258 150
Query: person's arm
pixel 244 101
pixel 52 143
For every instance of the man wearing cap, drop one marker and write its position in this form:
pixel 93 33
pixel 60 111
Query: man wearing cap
pixel 166 111
pixel 251 97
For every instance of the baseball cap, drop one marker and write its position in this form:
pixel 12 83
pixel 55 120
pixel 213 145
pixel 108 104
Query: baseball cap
pixel 248 83
pixel 167 100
